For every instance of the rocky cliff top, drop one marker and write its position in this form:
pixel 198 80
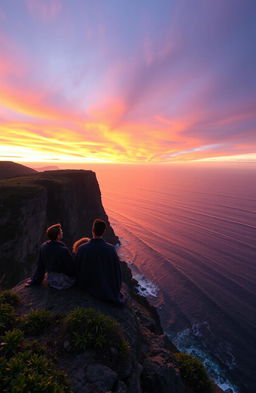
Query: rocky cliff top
pixel 148 366
pixel 135 358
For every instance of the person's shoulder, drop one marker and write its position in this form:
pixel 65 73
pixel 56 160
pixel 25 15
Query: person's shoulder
pixel 59 244
pixel 45 244
pixel 82 248
pixel 110 247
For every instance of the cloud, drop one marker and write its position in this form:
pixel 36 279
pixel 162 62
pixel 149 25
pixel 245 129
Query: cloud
pixel 46 10
pixel 101 84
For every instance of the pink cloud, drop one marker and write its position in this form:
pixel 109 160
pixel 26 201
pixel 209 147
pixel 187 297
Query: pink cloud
pixel 46 10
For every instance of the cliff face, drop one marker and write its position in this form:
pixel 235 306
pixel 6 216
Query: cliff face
pixel 28 205
pixel 148 367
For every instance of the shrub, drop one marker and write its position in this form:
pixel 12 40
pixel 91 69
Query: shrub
pixel 36 322
pixel 12 341
pixel 31 373
pixel 35 347
pixel 7 317
pixel 89 329
pixel 194 373
pixel 9 297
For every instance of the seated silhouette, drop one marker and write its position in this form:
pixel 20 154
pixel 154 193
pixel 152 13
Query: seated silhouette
pixel 98 267
pixel 55 259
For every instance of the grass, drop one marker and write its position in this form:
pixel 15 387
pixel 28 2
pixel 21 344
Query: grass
pixel 90 329
pixel 194 373
pixel 36 322
pixel 7 317
pixel 34 373
pixel 26 366
pixel 11 342
pixel 9 297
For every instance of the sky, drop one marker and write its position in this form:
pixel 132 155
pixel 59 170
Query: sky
pixel 138 81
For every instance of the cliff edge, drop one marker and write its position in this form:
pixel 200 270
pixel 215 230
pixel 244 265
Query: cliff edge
pixel 148 366
pixel 29 204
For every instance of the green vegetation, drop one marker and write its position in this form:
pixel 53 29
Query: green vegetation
pixel 89 329
pixel 7 317
pixel 194 374
pixel 9 297
pixel 36 322
pixel 24 372
pixel 25 366
pixel 11 342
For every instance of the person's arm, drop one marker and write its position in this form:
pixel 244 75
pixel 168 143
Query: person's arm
pixel 38 275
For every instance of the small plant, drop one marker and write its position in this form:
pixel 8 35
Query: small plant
pixel 36 322
pixel 12 341
pixel 194 373
pixel 90 329
pixel 9 297
pixel 31 373
pixel 35 347
pixel 7 317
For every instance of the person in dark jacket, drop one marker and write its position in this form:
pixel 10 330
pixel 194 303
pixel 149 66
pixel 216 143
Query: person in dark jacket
pixel 54 259
pixel 98 268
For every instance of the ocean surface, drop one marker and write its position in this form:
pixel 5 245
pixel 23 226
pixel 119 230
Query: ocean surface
pixel 189 235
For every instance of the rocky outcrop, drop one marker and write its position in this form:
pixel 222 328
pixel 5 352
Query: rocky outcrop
pixel 149 367
pixel 28 205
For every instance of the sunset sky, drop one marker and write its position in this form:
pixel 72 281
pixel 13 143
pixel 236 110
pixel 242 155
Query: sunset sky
pixel 127 81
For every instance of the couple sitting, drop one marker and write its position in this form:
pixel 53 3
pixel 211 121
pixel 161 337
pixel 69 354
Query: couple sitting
pixel 95 265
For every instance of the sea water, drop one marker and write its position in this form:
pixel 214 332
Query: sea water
pixel 189 236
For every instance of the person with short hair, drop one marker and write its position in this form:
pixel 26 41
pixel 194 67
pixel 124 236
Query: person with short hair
pixel 98 268
pixel 55 259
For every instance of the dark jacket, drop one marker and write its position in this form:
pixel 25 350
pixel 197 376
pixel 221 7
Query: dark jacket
pixel 54 256
pixel 98 270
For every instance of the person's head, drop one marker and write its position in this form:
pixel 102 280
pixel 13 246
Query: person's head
pixel 98 228
pixel 54 232
pixel 78 243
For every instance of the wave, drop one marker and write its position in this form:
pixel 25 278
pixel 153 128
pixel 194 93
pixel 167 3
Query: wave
pixel 190 341
pixel 193 235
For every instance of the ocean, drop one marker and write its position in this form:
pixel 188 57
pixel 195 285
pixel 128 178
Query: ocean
pixel 188 234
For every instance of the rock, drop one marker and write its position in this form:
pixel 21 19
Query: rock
pixel 66 345
pixel 94 378
pixel 101 375
pixel 29 204
pixel 160 376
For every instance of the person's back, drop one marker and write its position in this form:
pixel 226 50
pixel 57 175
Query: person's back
pixel 98 268
pixel 54 259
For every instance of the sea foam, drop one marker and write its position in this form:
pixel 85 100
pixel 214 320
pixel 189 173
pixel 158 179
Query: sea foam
pixel 190 340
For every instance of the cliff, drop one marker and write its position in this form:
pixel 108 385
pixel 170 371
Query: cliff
pixel 148 366
pixel 11 169
pixel 127 353
pixel 29 204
